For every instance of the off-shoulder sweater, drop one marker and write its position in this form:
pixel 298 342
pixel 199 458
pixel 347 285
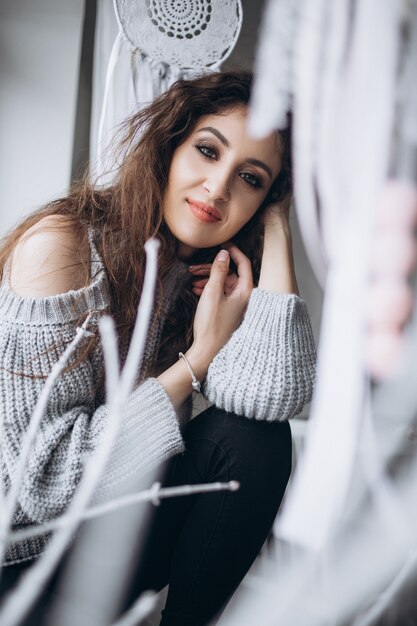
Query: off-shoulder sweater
pixel 264 372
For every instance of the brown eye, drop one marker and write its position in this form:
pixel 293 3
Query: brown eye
pixel 252 179
pixel 207 151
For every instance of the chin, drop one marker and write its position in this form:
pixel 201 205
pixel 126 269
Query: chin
pixel 188 249
pixel 192 242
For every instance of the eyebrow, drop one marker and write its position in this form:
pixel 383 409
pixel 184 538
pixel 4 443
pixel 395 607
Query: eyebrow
pixel 218 134
pixel 261 164
pixel 226 143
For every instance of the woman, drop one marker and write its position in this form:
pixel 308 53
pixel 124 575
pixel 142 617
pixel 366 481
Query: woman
pixel 218 200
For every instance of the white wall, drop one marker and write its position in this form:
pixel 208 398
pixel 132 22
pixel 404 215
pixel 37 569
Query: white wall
pixel 40 44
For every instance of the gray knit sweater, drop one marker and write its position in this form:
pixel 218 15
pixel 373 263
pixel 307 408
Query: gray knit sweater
pixel 264 372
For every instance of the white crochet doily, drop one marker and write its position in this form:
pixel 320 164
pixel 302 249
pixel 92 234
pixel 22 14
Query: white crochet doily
pixel 185 33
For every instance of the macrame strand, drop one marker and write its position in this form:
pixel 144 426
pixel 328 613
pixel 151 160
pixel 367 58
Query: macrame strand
pixel 273 90
pixel 154 495
pixel 338 18
pixel 306 106
pixel 352 147
pixel 342 338
pixel 143 606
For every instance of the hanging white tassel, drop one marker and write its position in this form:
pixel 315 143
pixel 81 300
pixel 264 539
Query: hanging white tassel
pixel 307 101
pixel 336 414
pixel 328 184
pixel 356 127
pixel 102 164
pixel 273 88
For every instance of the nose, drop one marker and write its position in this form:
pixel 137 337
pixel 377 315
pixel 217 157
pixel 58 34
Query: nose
pixel 218 187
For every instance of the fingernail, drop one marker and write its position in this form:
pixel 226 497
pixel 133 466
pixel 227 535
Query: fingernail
pixel 223 255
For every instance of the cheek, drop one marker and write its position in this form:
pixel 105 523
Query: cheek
pixel 241 216
pixel 173 174
pixel 246 206
pixel 184 169
pixel 257 204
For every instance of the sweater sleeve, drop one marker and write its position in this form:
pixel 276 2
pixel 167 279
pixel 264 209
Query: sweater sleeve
pixel 148 434
pixel 33 335
pixel 266 370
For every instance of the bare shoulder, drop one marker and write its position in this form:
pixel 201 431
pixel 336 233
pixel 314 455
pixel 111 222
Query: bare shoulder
pixel 48 259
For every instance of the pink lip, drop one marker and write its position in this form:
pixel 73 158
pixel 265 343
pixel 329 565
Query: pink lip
pixel 204 212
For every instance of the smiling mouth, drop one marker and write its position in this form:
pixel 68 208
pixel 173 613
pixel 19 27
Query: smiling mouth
pixel 204 212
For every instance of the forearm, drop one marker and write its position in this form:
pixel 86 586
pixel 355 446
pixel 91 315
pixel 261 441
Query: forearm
pixel 176 380
pixel 277 269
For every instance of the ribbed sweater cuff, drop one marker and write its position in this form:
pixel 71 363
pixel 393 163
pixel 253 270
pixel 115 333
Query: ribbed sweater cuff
pixel 268 311
pixel 266 369
pixel 149 434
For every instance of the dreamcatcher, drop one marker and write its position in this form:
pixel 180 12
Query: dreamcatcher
pixel 158 43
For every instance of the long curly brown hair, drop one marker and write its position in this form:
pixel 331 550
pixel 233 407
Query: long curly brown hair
pixel 129 211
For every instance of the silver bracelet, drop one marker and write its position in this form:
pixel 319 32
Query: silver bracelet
pixel 195 384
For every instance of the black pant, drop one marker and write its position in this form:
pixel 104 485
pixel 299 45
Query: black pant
pixel 203 545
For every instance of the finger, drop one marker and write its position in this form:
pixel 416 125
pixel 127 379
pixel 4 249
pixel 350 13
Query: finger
pixel 243 265
pixel 204 267
pixel 197 291
pixel 231 281
pixel 200 283
pixel 219 270
pixel 201 271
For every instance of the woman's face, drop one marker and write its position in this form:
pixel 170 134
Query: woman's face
pixel 219 176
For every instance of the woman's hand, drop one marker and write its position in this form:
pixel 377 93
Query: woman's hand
pixel 223 300
pixel 201 275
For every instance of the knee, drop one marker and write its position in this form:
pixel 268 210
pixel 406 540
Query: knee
pixel 267 468
pixel 260 459
pixel 259 451
pixel 268 457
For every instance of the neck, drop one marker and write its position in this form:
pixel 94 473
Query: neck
pixel 185 252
